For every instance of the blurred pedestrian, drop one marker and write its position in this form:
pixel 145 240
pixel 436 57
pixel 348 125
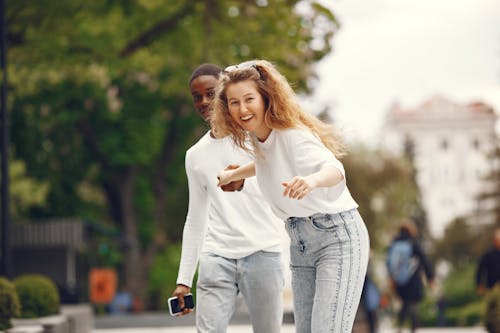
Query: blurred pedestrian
pixel 234 236
pixel 299 174
pixel 488 269
pixel 370 298
pixel 405 262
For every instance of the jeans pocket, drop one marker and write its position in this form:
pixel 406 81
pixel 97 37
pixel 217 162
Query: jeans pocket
pixel 324 223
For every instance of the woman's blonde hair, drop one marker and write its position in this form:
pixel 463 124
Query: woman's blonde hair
pixel 282 109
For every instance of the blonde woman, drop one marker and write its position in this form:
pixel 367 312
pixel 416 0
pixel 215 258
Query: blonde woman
pixel 295 161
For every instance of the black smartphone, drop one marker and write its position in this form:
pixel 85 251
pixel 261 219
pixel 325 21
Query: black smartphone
pixel 174 307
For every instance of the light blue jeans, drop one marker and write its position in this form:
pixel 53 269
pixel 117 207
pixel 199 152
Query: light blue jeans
pixel 328 259
pixel 259 277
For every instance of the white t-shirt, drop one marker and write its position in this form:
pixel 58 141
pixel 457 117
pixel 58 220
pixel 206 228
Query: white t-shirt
pixel 298 152
pixel 229 224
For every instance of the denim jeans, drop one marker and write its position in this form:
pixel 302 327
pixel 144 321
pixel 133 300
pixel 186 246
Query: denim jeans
pixel 328 260
pixel 259 277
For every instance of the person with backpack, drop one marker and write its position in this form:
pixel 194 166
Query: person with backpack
pixel 406 261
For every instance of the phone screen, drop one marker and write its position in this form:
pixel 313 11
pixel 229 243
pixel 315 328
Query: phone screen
pixel 174 303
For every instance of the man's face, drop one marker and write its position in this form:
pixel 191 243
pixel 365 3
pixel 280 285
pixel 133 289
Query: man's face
pixel 203 92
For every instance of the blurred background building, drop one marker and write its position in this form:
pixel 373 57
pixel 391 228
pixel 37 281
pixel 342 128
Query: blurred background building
pixel 451 147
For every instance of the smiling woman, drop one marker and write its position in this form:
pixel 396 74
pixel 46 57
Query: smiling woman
pixel 247 108
pixel 295 158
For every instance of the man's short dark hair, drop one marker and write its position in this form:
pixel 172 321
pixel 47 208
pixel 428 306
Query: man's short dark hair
pixel 205 69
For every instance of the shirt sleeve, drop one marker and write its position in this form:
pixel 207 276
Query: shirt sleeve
pixel 194 227
pixel 424 260
pixel 310 155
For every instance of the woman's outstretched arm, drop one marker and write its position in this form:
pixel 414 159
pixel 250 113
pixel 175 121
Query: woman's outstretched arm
pixel 244 171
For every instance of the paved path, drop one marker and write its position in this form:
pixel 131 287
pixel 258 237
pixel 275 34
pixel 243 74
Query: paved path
pixel 163 323
pixel 288 328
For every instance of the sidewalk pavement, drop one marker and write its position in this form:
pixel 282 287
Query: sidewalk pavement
pixel 287 328
pixel 159 322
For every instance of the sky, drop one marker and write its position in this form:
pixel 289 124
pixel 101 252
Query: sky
pixel 407 51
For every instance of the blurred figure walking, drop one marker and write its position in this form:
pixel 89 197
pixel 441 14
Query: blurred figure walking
pixel 405 262
pixel 488 270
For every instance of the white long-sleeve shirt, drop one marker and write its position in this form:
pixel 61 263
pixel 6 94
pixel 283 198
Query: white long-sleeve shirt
pixel 298 152
pixel 229 224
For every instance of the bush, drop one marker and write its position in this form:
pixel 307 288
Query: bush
pixel 9 303
pixel 467 315
pixel 38 295
pixel 163 276
pixel 462 305
pixel 492 313
pixel 460 287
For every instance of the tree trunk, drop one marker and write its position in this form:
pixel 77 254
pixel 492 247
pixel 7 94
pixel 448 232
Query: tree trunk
pixel 120 193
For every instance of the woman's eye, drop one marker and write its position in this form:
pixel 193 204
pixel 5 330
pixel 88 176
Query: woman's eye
pixel 210 94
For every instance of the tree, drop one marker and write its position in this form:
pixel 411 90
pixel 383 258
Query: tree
pixel 100 107
pixel 489 199
pixel 383 187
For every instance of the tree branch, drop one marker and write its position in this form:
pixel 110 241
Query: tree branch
pixel 147 37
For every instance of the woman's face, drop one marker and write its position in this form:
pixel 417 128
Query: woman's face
pixel 246 107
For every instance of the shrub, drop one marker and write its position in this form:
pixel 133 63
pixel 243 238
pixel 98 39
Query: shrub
pixel 467 315
pixel 462 305
pixel 9 303
pixel 163 276
pixel 459 287
pixel 492 313
pixel 38 295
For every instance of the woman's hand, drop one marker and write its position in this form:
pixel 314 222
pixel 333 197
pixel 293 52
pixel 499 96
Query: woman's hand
pixel 231 174
pixel 224 177
pixel 236 185
pixel 298 187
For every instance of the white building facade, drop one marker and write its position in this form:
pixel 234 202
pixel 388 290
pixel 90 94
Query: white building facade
pixel 451 144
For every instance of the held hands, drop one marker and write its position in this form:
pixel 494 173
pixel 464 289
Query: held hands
pixel 232 186
pixel 180 291
pixel 298 187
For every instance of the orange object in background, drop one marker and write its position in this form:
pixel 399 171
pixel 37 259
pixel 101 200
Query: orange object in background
pixel 102 282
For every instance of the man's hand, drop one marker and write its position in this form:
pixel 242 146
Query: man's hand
pixel 233 186
pixel 180 291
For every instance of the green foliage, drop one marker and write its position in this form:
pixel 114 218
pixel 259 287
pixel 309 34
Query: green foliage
pixel 163 276
pixel 488 198
pixel 25 192
pixel 461 244
pixel 9 303
pixel 467 315
pixel 100 105
pixel 38 295
pixel 459 286
pixel 462 305
pixel 492 312
pixel 382 186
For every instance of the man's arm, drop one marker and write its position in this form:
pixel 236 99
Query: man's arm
pixel 192 236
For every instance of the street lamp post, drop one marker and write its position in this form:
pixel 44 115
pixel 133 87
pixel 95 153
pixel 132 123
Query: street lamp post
pixel 4 125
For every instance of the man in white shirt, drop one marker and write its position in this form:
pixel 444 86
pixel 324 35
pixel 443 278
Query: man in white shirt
pixel 234 235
